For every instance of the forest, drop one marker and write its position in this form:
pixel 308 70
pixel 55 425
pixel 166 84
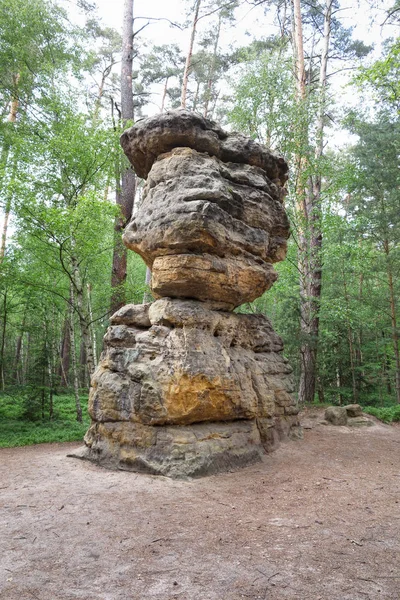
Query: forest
pixel 306 87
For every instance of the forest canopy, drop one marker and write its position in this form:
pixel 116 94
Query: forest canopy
pixel 308 88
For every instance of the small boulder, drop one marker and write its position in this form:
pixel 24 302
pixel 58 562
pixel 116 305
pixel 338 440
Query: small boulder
pixel 353 410
pixel 336 415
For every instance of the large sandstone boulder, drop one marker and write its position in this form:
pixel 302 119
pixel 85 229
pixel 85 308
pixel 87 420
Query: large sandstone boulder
pixel 207 229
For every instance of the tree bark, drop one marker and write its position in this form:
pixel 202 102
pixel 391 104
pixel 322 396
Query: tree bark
pixel 393 318
pixel 126 182
pixel 73 355
pixel 3 341
pixel 18 349
pixel 164 95
pixel 12 117
pixel 91 326
pixel 309 209
pixel 211 72
pixel 189 55
pixel 65 354
pixel 83 317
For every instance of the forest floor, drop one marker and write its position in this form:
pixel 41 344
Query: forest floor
pixel 319 519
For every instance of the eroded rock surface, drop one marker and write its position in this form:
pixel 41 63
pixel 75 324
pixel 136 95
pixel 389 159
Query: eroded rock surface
pixel 222 374
pixel 185 387
pixel 147 139
pixel 207 228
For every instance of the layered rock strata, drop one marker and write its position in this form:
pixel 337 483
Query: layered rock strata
pixel 211 222
pixel 185 387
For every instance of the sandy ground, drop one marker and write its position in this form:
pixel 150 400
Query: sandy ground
pixel 319 519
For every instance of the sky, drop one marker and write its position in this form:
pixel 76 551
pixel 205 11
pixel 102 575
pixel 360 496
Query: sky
pixel 354 13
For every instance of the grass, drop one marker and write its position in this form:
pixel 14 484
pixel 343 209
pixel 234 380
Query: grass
pixel 387 414
pixel 17 430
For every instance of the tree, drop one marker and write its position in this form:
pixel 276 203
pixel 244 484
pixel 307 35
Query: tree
pixel 373 187
pixel 125 177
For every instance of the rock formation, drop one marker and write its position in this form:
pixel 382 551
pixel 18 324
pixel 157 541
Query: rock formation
pixel 185 387
pixel 350 415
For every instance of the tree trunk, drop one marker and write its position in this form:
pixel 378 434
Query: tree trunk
pixel 196 96
pixel 3 340
pixel 73 356
pixel 82 365
pixel 91 325
pixel 65 354
pixel 211 72
pixel 164 95
pixel 83 317
pixel 126 182
pixel 309 209
pixel 385 366
pixel 393 318
pixel 12 117
pixel 307 351
pixel 189 55
pixel 18 348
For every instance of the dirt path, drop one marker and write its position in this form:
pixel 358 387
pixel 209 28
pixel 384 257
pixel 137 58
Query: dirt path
pixel 319 519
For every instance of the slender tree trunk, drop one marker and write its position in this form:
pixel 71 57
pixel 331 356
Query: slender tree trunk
pixel 73 356
pixel 18 348
pixel 43 386
pixel 65 354
pixel 386 366
pixel 48 349
pixel 164 95
pixel 12 117
pixel 91 324
pixel 26 359
pixel 189 55
pixel 100 92
pixel 83 379
pixel 307 351
pixel 211 73
pixel 126 182
pixel 339 382
pixel 83 317
pixel 393 318
pixel 358 351
pixel 309 209
pixel 196 96
pixel 351 344
pixel 282 20
pixel 299 50
pixel 3 340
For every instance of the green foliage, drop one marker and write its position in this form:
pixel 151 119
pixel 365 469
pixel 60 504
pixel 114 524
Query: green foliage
pixel 17 431
pixel 383 77
pixel 388 414
pixel 264 96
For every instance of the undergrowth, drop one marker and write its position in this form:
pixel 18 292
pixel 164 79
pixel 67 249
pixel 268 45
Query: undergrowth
pixel 17 430
pixel 388 414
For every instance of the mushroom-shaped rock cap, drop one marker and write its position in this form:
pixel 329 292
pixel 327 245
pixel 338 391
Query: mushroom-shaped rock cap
pixel 149 138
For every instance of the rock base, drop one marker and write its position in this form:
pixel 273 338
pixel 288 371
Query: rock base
pixel 177 452
pixel 185 390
